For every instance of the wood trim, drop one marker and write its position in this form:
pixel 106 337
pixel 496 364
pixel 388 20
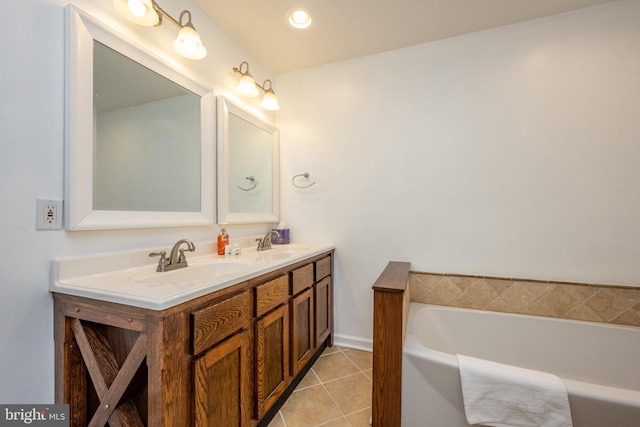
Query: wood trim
pixel 388 335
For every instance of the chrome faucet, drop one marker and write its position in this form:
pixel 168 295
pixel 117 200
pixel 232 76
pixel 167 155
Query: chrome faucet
pixel 264 244
pixel 177 258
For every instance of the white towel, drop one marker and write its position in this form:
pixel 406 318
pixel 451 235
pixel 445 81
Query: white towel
pixel 507 396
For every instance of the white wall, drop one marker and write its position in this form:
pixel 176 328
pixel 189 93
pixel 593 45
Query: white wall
pixel 31 166
pixel 511 152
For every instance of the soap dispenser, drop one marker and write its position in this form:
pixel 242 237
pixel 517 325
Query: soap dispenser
pixel 223 241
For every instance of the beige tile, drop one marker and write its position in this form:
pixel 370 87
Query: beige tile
pixel 606 304
pixel 518 296
pixel 329 350
pixel 310 407
pixel 446 290
pixel 369 373
pixel 629 296
pixel 310 379
pixel 580 293
pixel 352 393
pixel 582 312
pixel 629 317
pixel 360 418
pixel 539 289
pixel 499 285
pixel 559 302
pixel 481 293
pixel 340 422
pixel 277 421
pixel 501 305
pixel 362 359
pixel 463 283
pixel 334 365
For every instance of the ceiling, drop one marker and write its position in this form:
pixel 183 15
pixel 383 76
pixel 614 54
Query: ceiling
pixel 353 28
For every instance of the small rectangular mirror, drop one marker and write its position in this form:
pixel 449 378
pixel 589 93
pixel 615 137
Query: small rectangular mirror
pixel 248 167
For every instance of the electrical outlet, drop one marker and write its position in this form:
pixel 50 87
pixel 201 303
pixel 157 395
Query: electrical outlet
pixel 48 214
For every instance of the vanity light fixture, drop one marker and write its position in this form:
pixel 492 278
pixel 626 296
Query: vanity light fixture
pixel 248 87
pixel 149 13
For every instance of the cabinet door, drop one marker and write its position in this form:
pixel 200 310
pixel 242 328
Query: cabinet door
pixel 272 358
pixel 223 384
pixel 323 310
pixel 302 344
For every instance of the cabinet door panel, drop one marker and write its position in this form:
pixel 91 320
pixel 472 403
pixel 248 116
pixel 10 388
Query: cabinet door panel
pixel 323 312
pixel 302 336
pixel 272 358
pixel 222 384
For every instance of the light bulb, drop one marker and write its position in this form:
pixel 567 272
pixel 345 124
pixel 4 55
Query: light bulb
pixel 247 86
pixel 270 101
pixel 189 44
pixel 137 8
pixel 299 19
pixel 140 12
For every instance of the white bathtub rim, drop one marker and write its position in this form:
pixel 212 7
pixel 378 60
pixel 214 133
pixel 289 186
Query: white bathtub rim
pixel 414 348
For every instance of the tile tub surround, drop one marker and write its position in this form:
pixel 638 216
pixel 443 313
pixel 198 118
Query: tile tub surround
pixel 577 301
pixel 336 392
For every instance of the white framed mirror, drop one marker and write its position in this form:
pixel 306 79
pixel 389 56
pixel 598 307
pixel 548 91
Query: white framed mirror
pixel 139 135
pixel 248 167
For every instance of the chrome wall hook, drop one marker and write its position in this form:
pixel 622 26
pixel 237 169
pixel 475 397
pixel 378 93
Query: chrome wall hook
pixel 305 175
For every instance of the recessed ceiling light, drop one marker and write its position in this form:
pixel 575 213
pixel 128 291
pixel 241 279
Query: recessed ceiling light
pixel 299 18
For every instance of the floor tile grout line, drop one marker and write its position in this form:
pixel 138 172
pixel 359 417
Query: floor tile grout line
pixel 322 383
pixel 337 406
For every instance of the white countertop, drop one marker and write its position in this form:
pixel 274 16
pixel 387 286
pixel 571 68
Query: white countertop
pixel 130 277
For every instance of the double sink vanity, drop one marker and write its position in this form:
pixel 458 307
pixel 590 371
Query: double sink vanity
pixel 220 342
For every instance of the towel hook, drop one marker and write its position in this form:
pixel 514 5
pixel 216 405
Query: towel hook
pixel 306 175
pixel 254 182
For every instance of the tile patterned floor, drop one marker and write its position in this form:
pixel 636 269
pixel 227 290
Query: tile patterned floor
pixel 336 392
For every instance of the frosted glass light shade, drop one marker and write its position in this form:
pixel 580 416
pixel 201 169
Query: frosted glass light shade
pixel 189 44
pixel 139 12
pixel 247 86
pixel 270 101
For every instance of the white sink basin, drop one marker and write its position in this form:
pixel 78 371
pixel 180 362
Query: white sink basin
pixel 282 252
pixel 195 274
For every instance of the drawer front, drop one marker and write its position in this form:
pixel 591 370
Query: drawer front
pixel 271 294
pixel 323 268
pixel 301 279
pixel 216 322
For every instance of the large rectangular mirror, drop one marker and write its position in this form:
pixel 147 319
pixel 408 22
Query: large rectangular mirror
pixel 139 135
pixel 248 167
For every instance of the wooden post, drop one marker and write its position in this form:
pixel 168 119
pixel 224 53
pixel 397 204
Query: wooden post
pixel 388 336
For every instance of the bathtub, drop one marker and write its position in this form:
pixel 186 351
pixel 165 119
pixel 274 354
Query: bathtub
pixel 598 363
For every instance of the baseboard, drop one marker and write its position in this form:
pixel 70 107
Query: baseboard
pixel 349 341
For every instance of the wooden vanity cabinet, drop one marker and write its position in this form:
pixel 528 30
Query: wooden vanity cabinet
pixel 222 369
pixel 311 311
pixel 271 343
pixel 227 359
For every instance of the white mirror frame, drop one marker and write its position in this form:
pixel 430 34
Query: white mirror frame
pixel 80 32
pixel 225 106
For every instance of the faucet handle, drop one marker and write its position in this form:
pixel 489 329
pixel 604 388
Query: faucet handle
pixel 162 262
pixel 181 257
